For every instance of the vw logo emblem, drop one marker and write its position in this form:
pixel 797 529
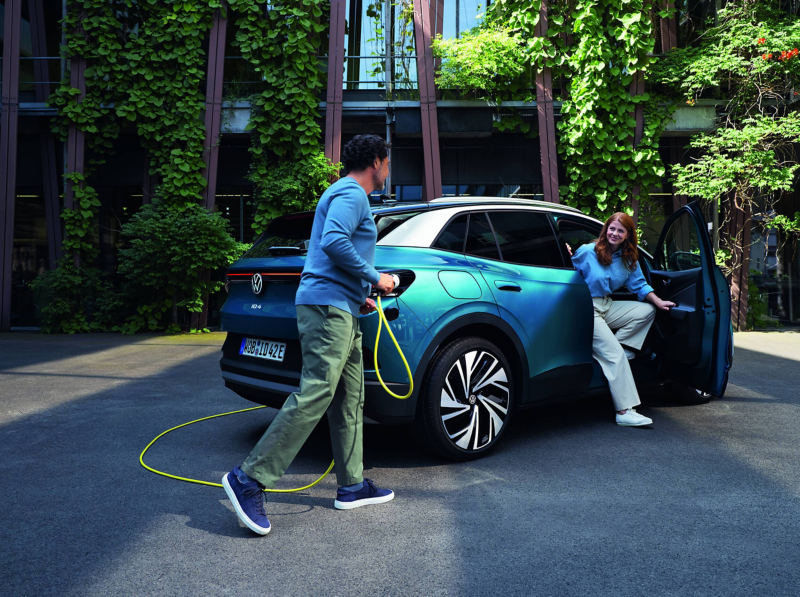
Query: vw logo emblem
pixel 256 283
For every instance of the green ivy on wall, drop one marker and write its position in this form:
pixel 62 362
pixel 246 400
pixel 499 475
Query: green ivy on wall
pixel 595 47
pixel 145 66
pixel 612 42
pixel 283 43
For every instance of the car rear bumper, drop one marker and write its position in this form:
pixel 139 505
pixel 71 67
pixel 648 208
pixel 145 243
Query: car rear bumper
pixel 270 384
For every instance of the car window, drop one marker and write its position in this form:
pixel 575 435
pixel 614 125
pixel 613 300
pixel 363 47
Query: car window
pixel 577 233
pixel 681 248
pixel 526 237
pixel 293 230
pixel 385 223
pixel 452 237
pixel 480 238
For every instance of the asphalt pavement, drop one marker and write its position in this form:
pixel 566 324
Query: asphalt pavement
pixel 703 503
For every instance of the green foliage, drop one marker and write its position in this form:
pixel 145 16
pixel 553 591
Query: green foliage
pixel 79 222
pixel 598 46
pixel 612 41
pixel 144 59
pixel 755 157
pixel 749 62
pixel 283 186
pixel 746 59
pixel 481 61
pixel 283 45
pixel 77 300
pixel 165 266
pixel 145 65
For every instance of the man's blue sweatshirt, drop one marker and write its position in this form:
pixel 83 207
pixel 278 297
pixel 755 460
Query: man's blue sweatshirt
pixel 341 254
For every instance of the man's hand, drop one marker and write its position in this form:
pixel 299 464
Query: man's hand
pixel 367 307
pixel 385 285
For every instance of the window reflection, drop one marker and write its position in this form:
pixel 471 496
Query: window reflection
pixel 461 16
pixel 365 45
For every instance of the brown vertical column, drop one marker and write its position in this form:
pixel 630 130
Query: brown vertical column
pixel 47 145
pixel 432 174
pixel 76 145
pixel 9 116
pixel 547 120
pixel 212 121
pixel 669 30
pixel 637 88
pixel 213 115
pixel 739 230
pixel 333 105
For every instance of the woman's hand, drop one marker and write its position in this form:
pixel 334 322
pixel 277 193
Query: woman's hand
pixel 663 305
pixel 569 249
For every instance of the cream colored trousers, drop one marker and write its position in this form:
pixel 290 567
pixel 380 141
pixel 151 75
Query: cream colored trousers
pixel 632 321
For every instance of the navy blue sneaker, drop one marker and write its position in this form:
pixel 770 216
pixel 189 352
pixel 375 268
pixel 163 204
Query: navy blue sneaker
pixel 367 495
pixel 248 500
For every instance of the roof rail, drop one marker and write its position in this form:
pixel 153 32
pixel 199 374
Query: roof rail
pixel 513 200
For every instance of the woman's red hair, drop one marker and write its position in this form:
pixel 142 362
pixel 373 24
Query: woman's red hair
pixel 630 252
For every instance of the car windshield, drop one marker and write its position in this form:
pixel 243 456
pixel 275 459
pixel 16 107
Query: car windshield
pixel 292 230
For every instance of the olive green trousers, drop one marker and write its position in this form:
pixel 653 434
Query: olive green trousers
pixel 330 342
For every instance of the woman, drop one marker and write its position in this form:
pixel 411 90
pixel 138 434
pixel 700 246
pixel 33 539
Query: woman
pixel 609 263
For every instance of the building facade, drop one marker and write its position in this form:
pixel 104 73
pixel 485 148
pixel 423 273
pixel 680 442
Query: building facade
pixel 380 80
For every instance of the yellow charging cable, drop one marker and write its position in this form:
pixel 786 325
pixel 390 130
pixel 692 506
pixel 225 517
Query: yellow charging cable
pixel 381 321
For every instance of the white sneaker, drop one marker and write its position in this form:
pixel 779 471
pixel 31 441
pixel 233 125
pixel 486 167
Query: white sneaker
pixel 633 419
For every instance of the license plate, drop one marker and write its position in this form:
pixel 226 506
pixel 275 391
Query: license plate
pixel 263 349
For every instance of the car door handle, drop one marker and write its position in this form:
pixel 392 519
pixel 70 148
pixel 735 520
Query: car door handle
pixel 508 286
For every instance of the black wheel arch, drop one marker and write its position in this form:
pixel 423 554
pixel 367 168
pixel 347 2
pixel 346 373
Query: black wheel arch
pixel 484 325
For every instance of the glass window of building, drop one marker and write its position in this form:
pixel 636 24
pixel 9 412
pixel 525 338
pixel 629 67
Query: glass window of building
pixel 461 16
pixel 365 45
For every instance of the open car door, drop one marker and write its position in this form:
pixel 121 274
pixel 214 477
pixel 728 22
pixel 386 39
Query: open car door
pixel 695 337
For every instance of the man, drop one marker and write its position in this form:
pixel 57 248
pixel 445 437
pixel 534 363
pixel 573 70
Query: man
pixel 333 290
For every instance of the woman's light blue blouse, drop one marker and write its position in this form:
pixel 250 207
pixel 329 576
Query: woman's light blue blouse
pixel 605 279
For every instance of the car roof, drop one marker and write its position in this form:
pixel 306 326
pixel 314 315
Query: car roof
pixel 445 202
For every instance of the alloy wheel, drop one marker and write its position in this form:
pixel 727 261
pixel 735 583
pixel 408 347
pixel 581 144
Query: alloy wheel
pixel 475 400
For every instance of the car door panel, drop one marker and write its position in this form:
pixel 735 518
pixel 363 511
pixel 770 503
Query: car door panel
pixel 692 337
pixel 551 311
pixel 549 307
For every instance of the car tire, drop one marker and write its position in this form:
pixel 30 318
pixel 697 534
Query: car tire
pixel 684 394
pixel 466 401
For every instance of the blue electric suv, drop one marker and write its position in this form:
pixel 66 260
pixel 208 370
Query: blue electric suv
pixel 490 314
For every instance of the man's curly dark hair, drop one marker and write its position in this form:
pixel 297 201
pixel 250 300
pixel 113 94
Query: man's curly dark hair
pixel 362 150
